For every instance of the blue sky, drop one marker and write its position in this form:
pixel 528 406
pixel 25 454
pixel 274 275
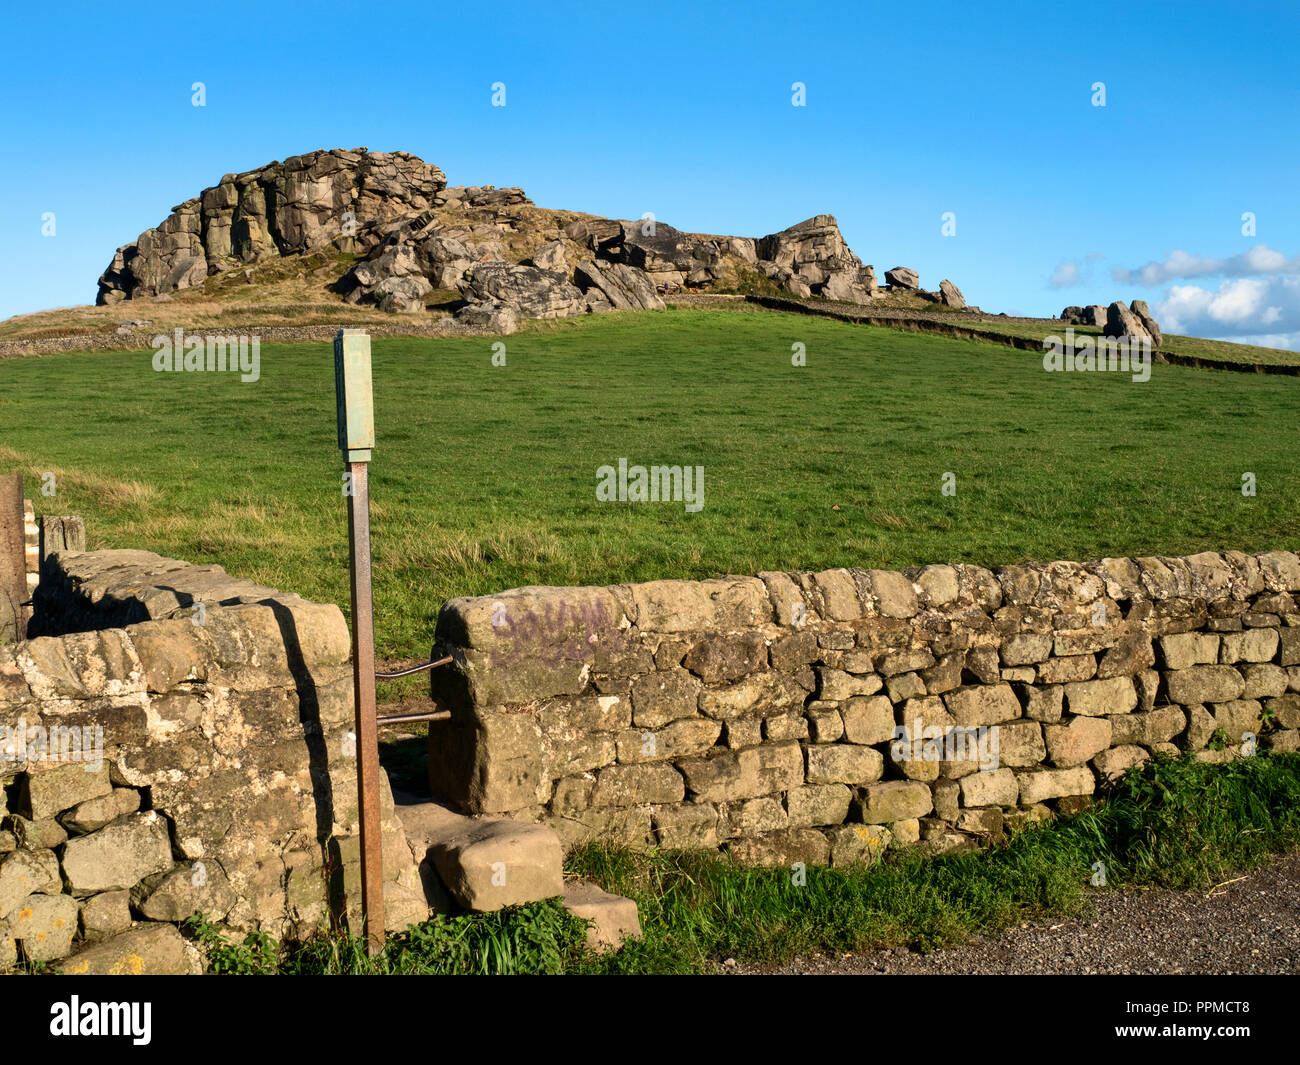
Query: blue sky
pixel 684 110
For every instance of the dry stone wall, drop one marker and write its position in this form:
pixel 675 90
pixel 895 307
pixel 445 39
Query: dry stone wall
pixel 824 716
pixel 174 740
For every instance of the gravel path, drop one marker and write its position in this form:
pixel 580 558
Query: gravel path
pixel 1251 926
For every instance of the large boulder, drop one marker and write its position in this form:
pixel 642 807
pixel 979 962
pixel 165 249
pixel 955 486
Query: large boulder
pixel 621 287
pixel 1094 314
pixel 531 292
pixel 325 199
pixel 950 296
pixel 1122 322
pixel 1143 313
pixel 903 277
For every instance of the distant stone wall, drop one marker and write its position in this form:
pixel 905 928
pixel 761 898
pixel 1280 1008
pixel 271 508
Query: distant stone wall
pixel 765 714
pixel 175 740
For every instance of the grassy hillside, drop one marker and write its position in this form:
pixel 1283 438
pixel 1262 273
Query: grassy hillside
pixel 484 477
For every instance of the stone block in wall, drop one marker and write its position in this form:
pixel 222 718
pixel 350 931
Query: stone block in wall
pixel 790 726
pixel 1285 740
pixel 44 925
pixel 985 823
pixel 105 914
pixel 1252 645
pixel 838 595
pixel 1286 710
pixel 60 534
pixel 490 764
pixel 835 685
pixel 1263 680
pixel 627 825
pixel 658 698
pixel 1116 761
pixel 988 705
pixel 24 872
pixel 1070 669
pixel 1131 654
pixel 632 785
pixel 191 887
pixel 844 763
pixel 1077 742
pixel 858 844
pixel 1020 743
pixel 904 686
pixel 727 775
pixel 721 659
pixel 945 674
pixel 790 653
pixel 758 816
pixel 996 787
pixel 1289 646
pixel 1237 718
pixel 784 847
pixel 892 594
pixel 938 585
pixel 894 800
pixel 679 738
pixel 1203 684
pixel 80 665
pixel 686 826
pixel 118 856
pixel 1148 728
pixel 1043 784
pixel 762 693
pixel 868 720
pixel 817 804
pixel 722 605
pixel 565 754
pixel 982 664
pixel 46 789
pixel 743 732
pixel 827 726
pixel 1025 649
pixel 947 799
pixel 1019 674
pixel 1098 698
pixel 787 600
pixel 1280 570
pixel 1042 704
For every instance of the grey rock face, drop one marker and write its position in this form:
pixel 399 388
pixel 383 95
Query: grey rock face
pixel 306 203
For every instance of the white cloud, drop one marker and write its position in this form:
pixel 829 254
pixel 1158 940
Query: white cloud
pixel 1236 310
pixel 1065 274
pixel 1261 259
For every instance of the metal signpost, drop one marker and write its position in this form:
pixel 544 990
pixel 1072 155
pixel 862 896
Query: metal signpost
pixel 354 396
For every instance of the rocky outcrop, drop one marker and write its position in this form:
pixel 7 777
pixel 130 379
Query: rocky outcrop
pixel 306 203
pixel 811 258
pixel 487 255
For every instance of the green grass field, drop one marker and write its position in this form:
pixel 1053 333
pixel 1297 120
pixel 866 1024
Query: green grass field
pixel 484 477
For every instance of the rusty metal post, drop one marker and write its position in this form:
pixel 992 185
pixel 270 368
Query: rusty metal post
pixel 13 560
pixel 354 398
